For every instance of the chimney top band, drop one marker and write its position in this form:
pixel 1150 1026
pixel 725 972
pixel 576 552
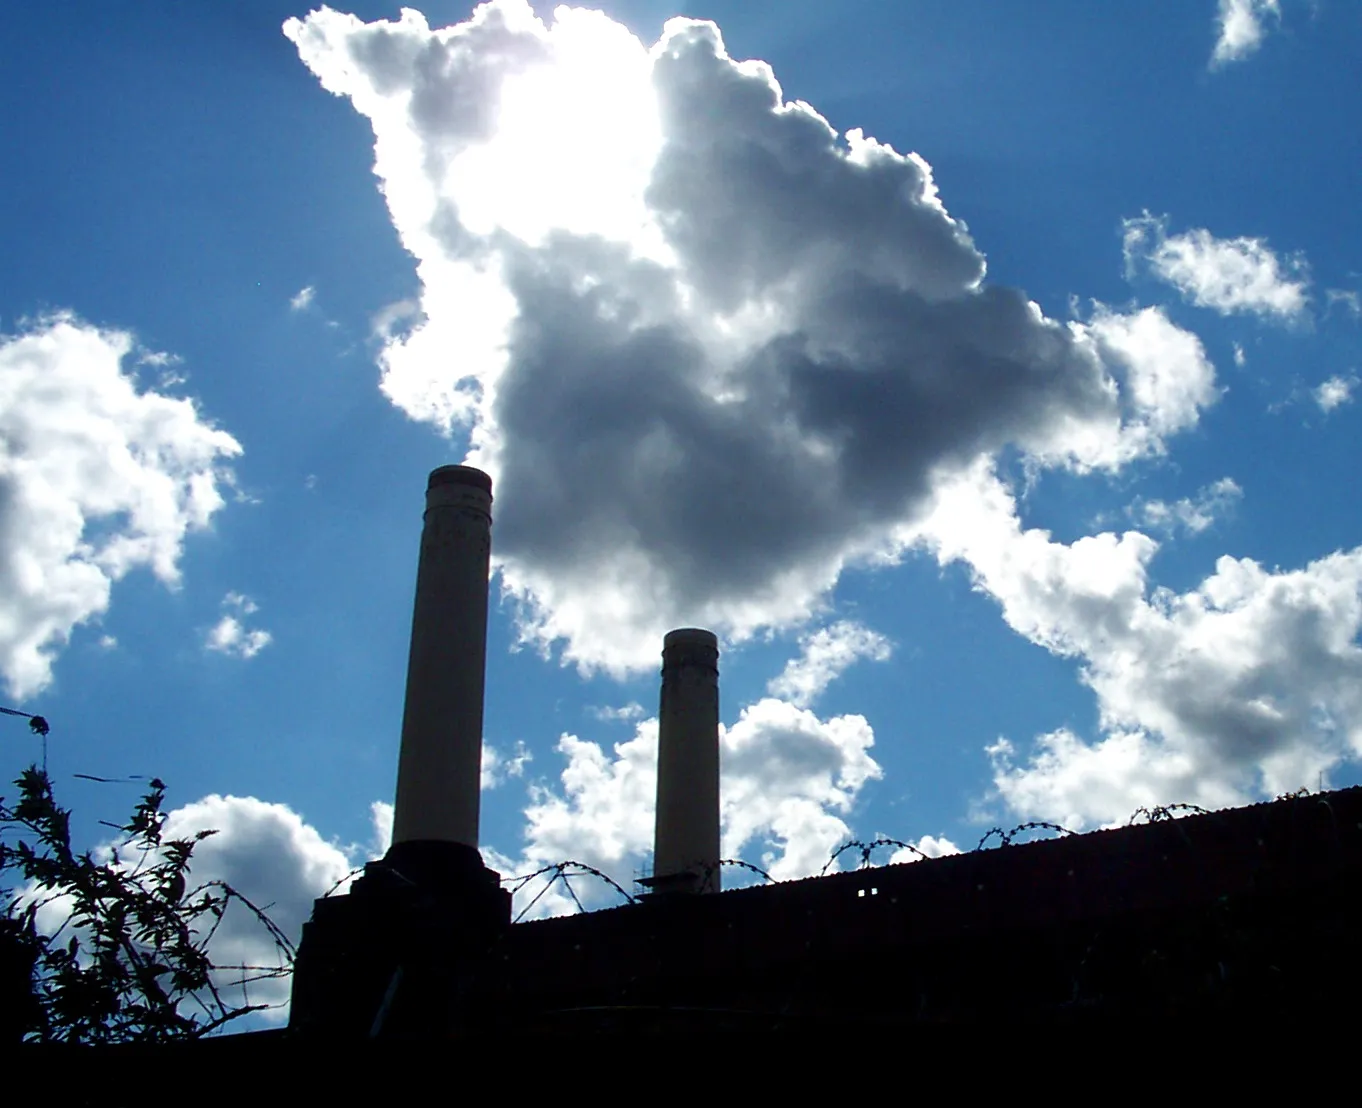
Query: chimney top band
pixel 460 475
pixel 690 646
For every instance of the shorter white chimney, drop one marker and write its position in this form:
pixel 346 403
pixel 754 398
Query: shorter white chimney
pixel 686 838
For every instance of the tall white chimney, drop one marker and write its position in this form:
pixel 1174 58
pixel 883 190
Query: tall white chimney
pixel 438 774
pixel 388 954
pixel 686 838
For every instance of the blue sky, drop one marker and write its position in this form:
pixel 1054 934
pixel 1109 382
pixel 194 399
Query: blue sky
pixel 1052 541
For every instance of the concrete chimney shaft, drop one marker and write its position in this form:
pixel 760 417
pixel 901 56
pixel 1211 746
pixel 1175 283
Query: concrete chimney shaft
pixel 439 769
pixel 686 842
pixel 403 937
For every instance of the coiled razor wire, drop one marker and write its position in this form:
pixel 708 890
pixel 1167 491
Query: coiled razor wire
pixel 565 870
pixel 1005 837
pixel 706 872
pixel 748 866
pixel 1168 811
pixel 865 849
pixel 562 871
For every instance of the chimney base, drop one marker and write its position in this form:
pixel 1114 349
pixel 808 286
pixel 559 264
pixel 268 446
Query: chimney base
pixel 392 956
pixel 441 868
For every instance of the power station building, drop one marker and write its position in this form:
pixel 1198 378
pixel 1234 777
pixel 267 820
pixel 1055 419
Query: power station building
pixel 1241 913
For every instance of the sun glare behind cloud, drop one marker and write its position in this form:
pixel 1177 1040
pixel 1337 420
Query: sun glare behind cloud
pixel 575 140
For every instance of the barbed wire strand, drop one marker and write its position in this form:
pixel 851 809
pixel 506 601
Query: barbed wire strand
pixel 547 885
pixel 562 871
pixel 1165 811
pixel 567 884
pixel 349 876
pixel 866 849
pixel 565 870
pixel 748 865
pixel 1005 837
pixel 522 881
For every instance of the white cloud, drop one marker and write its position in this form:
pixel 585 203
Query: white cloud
pixel 1349 298
pixel 625 712
pixel 1249 683
pixel 302 299
pixel 497 768
pixel 929 845
pixel 242 603
pixel 1239 358
pixel 604 813
pixel 389 320
pixel 158 358
pixel 789 779
pixel 1334 392
pixel 97 478
pixel 228 636
pixel 381 816
pixel 239 495
pixel 823 657
pixel 270 855
pixel 1227 275
pixel 1195 513
pixel 711 350
pixel 231 636
pixel 1240 24
pixel 1166 380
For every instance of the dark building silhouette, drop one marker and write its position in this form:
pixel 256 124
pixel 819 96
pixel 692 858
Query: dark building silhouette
pixel 1250 912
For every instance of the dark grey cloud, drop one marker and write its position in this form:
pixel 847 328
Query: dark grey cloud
pixel 756 194
pixel 705 422
pixel 612 433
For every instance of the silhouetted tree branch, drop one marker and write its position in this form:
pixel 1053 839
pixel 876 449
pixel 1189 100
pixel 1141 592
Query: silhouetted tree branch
pixel 129 960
